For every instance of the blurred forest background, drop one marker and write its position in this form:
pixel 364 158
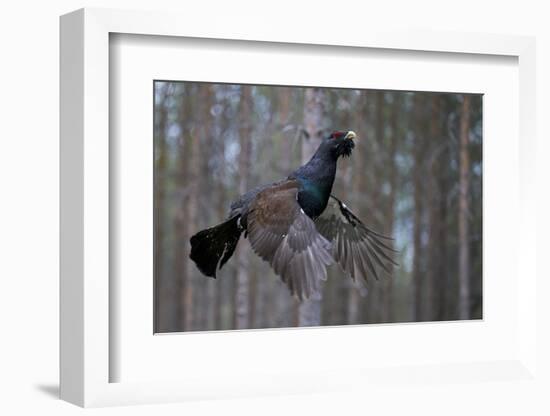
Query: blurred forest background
pixel 415 174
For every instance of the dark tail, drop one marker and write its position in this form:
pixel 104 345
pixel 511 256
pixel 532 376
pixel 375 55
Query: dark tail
pixel 211 248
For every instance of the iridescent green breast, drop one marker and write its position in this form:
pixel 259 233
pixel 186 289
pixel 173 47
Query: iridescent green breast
pixel 313 197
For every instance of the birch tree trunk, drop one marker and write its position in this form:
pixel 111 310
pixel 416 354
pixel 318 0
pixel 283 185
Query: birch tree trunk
pixel 463 208
pixel 309 311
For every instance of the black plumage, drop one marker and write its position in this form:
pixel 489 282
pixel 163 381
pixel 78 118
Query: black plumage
pixel 298 227
pixel 359 250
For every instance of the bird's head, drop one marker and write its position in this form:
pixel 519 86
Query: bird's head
pixel 340 143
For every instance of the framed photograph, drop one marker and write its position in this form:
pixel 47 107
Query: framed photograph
pixel 413 171
pixel 231 197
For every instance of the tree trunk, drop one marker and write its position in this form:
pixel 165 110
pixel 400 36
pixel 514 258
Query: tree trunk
pixel 221 293
pixel 463 208
pixel 358 186
pixel 418 281
pixel 396 108
pixel 181 234
pixel 444 184
pixel 193 177
pixel 284 305
pixel 309 311
pixel 380 292
pixel 206 307
pixel 163 319
pixel 434 214
pixel 243 279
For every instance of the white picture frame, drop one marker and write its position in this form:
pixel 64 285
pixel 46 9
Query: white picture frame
pixel 86 356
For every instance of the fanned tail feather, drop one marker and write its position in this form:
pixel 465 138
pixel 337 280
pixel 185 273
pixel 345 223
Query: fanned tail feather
pixel 211 248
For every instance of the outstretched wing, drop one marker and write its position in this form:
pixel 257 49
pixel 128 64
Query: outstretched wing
pixel 360 251
pixel 283 235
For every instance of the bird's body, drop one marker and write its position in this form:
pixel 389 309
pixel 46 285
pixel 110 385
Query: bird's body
pixel 289 225
pixel 316 182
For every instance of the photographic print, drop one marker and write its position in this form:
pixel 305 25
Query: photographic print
pixel 283 206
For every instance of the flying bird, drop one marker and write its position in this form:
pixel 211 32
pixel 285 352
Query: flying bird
pixel 299 227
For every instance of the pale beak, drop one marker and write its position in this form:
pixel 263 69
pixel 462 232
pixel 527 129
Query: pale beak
pixel 350 135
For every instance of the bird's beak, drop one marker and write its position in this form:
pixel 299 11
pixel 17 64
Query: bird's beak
pixel 350 135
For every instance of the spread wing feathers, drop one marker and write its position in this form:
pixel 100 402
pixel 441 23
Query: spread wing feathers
pixel 360 251
pixel 283 235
